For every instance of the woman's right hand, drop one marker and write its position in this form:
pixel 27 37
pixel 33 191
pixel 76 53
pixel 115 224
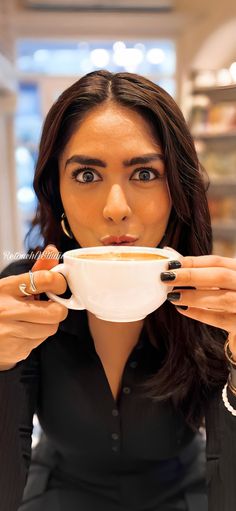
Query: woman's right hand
pixel 26 322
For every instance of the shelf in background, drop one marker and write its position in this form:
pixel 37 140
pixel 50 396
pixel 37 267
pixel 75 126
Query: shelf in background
pixel 224 229
pixel 212 121
pixel 222 187
pixel 204 135
pixel 225 248
pixel 216 89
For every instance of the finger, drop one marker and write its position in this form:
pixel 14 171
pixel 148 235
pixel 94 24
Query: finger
pixel 206 261
pixel 217 299
pixel 48 259
pixel 175 261
pixel 44 280
pixel 33 312
pixel 226 321
pixel 232 343
pixel 32 343
pixel 223 278
pixel 32 330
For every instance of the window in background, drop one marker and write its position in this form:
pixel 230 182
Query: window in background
pixel 39 60
pixel 28 121
pixel 155 58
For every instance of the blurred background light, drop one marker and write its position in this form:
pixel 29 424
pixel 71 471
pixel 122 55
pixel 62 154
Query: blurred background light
pixel 155 55
pixel 128 58
pixel 118 46
pixel 223 77
pixel 146 57
pixel 23 156
pixel 233 71
pixel 41 56
pixel 100 57
pixel 25 195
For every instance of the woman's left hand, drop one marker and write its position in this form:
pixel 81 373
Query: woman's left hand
pixel 213 299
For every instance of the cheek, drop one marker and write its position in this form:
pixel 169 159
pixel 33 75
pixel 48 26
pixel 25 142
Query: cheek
pixel 156 211
pixel 79 215
pixel 81 211
pixel 75 207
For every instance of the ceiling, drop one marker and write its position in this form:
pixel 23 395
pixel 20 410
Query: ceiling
pixel 196 25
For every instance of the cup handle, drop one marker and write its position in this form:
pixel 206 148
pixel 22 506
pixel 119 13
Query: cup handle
pixel 70 303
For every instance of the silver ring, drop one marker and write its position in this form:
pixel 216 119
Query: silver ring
pixel 32 284
pixel 22 288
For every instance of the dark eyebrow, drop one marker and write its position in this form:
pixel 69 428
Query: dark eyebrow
pixel 146 158
pixel 87 160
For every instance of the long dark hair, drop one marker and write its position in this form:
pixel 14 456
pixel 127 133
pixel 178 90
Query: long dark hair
pixel 191 353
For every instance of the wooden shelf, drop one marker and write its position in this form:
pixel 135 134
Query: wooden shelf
pixel 224 230
pixel 223 182
pixel 215 89
pixel 222 187
pixel 204 135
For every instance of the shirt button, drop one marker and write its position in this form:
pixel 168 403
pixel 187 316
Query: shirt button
pixel 115 448
pixel 133 364
pixel 115 436
pixel 115 413
pixel 126 390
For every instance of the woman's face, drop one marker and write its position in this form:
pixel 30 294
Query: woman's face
pixel 112 180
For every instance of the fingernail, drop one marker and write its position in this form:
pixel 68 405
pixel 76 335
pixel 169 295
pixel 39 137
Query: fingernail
pixel 172 265
pixel 183 307
pixel 173 296
pixel 168 275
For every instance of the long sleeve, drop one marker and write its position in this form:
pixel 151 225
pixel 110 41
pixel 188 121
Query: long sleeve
pixel 221 454
pixel 18 402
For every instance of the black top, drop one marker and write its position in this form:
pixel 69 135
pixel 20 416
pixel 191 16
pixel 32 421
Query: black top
pixel 133 454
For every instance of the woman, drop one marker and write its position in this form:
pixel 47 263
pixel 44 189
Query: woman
pixel 120 405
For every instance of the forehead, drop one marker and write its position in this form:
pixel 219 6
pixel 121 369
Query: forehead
pixel 110 125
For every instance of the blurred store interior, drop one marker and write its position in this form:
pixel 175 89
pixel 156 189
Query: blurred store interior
pixel 187 47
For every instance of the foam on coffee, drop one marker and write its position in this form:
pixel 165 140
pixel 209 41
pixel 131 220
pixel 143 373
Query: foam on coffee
pixel 121 256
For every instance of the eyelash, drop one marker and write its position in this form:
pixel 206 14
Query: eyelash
pixel 77 172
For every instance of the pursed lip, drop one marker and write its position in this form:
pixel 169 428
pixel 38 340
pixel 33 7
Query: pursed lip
pixel 118 240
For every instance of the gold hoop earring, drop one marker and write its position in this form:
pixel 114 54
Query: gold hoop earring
pixel 65 229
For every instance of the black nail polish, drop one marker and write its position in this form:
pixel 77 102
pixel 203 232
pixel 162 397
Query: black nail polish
pixel 185 287
pixel 183 307
pixel 173 265
pixel 173 296
pixel 168 275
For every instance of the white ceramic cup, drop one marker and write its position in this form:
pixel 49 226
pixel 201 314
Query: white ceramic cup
pixel 115 290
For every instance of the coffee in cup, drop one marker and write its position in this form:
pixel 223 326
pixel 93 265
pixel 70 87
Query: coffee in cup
pixel 121 256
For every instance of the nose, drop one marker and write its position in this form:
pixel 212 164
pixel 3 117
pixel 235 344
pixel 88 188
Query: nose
pixel 116 208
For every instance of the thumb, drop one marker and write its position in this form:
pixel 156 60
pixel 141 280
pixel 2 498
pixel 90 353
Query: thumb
pixel 48 259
